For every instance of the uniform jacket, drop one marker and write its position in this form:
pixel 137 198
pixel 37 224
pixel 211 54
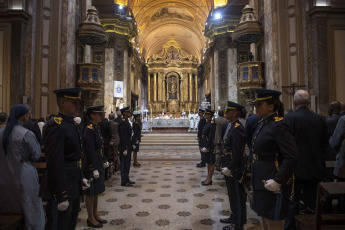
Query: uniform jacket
pixel 273 141
pixel 125 132
pixel 235 142
pixel 208 135
pixel 62 143
pixel 136 132
pixel 310 133
pixel 201 125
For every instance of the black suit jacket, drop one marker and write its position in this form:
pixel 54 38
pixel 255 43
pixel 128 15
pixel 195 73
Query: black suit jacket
pixel 310 132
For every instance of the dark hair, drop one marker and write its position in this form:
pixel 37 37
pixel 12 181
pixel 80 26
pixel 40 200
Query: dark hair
pixel 3 117
pixel 278 106
pixel 334 108
pixel 41 119
pixel 243 113
pixel 221 112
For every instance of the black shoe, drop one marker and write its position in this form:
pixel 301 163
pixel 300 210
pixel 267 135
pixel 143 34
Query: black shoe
pixel 102 221
pixel 89 224
pixel 233 227
pixel 204 184
pixel 200 165
pixel 126 184
pixel 130 182
pixel 136 164
pixel 226 220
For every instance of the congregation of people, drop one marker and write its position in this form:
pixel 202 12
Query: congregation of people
pixel 285 151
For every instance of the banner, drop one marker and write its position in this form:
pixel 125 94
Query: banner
pixel 118 89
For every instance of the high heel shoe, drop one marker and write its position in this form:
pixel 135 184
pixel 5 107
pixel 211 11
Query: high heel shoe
pixel 204 184
pixel 89 224
pixel 101 221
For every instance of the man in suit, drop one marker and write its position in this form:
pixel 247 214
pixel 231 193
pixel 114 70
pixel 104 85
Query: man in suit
pixel 310 133
pixel 125 147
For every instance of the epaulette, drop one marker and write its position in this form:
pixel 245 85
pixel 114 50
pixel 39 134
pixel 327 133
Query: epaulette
pixel 123 119
pixel 277 119
pixel 58 120
pixel 237 124
pixel 90 126
pixel 261 120
pixel 212 122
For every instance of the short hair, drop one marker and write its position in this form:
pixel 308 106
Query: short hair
pixel 3 117
pixel 301 98
pixel 118 113
pixel 111 116
pixel 334 108
pixel 221 112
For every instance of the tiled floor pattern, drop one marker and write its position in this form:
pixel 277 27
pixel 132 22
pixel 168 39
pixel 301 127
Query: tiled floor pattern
pixel 167 195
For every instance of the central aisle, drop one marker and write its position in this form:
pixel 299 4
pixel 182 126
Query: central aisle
pixel 167 193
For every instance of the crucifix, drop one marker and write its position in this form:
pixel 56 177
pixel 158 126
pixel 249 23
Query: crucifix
pixel 291 89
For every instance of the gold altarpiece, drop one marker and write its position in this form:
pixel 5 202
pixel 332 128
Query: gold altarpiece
pixel 172 81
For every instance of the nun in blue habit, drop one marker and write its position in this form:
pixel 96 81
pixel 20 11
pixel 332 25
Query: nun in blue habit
pixel 18 177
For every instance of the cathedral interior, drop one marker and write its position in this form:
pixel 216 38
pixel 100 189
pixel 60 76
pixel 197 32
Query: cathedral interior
pixel 170 56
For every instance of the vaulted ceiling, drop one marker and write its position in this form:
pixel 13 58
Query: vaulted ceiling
pixel 158 20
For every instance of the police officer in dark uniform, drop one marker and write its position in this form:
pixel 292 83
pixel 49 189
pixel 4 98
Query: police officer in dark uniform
pixel 125 147
pixel 275 157
pixel 208 134
pixel 136 138
pixel 62 185
pixel 201 125
pixel 233 164
pixel 95 163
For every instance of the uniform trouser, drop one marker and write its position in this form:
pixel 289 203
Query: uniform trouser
pixel 125 166
pixel 67 219
pixel 309 188
pixel 237 199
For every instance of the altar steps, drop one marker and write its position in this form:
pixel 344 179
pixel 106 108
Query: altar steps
pixel 169 140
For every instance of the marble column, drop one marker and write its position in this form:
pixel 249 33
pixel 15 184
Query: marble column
pixel 155 75
pixel 160 97
pixel 149 88
pixel 109 79
pixel 196 87
pixel 214 82
pixel 126 80
pixel 271 45
pixel 232 63
pixel 190 88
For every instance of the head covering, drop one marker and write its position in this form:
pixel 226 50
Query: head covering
pixel 265 94
pixel 69 93
pixel 136 113
pixel 95 109
pixel 201 111
pixel 16 112
pixel 234 106
pixel 208 111
pixel 125 109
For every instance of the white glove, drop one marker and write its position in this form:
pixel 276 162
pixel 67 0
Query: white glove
pixel 86 184
pixel 272 186
pixel 133 147
pixel 137 142
pixel 125 152
pixel 106 164
pixel 204 150
pixel 226 171
pixel 95 174
pixel 63 206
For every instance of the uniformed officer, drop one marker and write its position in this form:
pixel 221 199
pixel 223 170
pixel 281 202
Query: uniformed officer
pixel 208 135
pixel 62 185
pixel 95 163
pixel 275 157
pixel 125 146
pixel 234 166
pixel 201 125
pixel 136 138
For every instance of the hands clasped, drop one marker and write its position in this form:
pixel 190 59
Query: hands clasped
pixel 86 184
pixel 272 186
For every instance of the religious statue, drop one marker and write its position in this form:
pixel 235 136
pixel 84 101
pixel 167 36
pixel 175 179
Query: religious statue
pixel 173 88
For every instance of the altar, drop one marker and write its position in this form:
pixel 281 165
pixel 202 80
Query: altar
pixel 170 123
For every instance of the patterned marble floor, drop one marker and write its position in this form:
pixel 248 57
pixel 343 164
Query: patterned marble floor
pixel 167 195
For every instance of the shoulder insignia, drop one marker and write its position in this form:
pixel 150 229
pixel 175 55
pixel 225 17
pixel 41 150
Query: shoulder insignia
pixel 212 122
pixel 277 119
pixel 261 120
pixel 236 125
pixel 123 119
pixel 58 120
pixel 90 126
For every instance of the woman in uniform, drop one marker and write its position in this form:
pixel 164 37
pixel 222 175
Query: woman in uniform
pixel 136 138
pixel 94 164
pixel 208 134
pixel 275 157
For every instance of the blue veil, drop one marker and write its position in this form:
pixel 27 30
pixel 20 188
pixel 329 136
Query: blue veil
pixel 17 111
